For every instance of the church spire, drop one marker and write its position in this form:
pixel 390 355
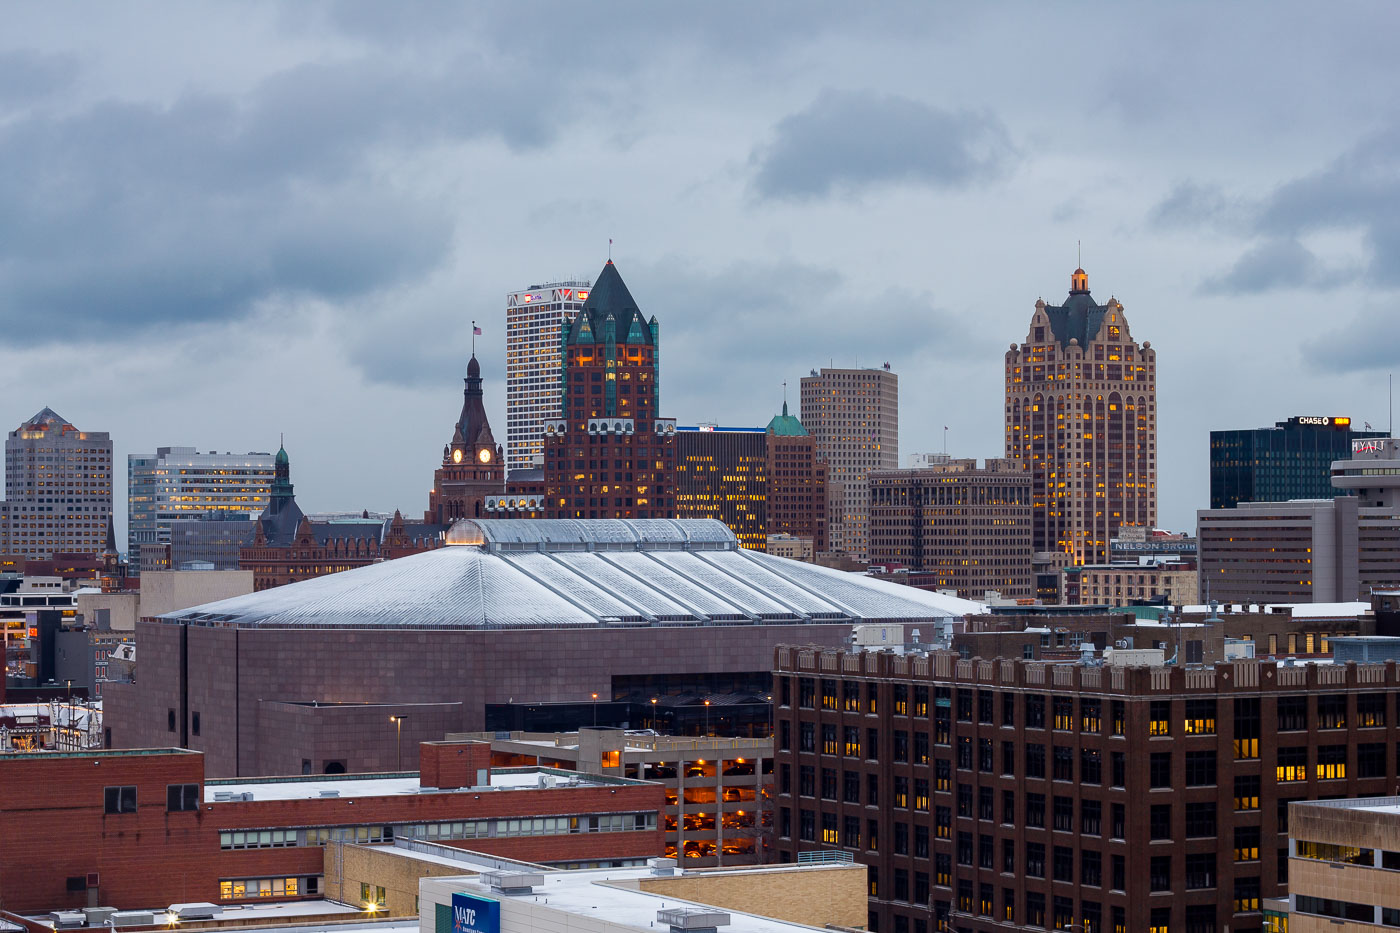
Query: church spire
pixel 472 426
pixel 281 480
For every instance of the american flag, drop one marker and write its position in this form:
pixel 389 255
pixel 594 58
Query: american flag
pixel 476 331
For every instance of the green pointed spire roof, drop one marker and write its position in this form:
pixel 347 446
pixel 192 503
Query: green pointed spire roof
pixel 786 425
pixel 609 298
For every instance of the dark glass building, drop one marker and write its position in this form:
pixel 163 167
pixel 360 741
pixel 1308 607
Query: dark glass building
pixel 1291 460
pixel 720 473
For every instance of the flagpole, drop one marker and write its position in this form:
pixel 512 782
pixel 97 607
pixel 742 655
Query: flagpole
pixel 473 338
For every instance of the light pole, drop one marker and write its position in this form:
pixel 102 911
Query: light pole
pixel 653 714
pixel 707 717
pixel 595 710
pixel 398 722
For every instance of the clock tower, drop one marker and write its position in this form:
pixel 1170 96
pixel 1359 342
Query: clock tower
pixel 472 463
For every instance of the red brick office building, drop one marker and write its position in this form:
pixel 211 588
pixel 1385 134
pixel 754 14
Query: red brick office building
pixel 996 795
pixel 143 829
pixel 797 503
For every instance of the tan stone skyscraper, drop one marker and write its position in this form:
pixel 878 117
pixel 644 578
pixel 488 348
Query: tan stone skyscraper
pixel 853 414
pixel 1081 416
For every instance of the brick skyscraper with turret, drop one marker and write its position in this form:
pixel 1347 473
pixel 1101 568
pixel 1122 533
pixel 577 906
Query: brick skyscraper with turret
pixel 611 454
pixel 1081 417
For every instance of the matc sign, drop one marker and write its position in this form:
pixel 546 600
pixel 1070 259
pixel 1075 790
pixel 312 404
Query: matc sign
pixel 472 914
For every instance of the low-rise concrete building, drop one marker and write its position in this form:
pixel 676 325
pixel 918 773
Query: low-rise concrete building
pixel 773 899
pixel 793 547
pixel 1343 865
pixel 1173 583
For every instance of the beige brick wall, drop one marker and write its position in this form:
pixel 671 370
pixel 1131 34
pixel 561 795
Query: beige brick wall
pixel 816 896
pixel 379 866
pixel 1302 923
pixel 1356 883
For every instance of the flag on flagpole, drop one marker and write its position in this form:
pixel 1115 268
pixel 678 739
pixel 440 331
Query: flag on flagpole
pixel 476 331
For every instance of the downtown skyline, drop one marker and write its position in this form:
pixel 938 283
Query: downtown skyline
pixel 235 270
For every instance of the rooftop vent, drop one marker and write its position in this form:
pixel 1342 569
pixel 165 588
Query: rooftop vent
pixel 223 796
pixel 68 918
pixel 693 919
pixel 133 918
pixel 329 793
pixel 512 882
pixel 662 866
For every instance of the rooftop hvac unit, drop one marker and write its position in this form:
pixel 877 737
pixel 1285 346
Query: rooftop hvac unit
pixel 692 919
pixel 223 796
pixel 63 919
pixel 198 910
pixel 512 882
pixel 133 918
pixel 329 793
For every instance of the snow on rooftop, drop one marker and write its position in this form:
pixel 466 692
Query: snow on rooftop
pixel 1321 610
pixel 352 786
pixel 539 573
pixel 597 895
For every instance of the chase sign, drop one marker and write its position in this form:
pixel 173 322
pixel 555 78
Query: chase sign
pixel 471 914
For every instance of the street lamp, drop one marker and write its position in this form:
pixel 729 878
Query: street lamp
pixel 398 722
pixel 653 714
pixel 595 710
pixel 707 717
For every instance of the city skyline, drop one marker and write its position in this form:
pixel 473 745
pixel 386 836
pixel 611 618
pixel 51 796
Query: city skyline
pixel 333 266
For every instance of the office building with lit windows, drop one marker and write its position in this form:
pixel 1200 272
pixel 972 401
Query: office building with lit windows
pixel 990 795
pixel 1081 418
pixel 853 415
pixel 58 489
pixel 969 527
pixel 1291 460
pixel 720 473
pixel 178 483
pixel 535 317
pixel 1310 550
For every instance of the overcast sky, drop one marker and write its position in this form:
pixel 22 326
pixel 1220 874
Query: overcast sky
pixel 219 223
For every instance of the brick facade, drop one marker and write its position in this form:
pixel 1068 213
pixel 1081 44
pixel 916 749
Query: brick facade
pixel 231 676
pixel 987 794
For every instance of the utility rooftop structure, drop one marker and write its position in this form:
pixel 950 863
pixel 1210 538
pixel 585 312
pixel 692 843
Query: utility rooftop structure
pixel 566 572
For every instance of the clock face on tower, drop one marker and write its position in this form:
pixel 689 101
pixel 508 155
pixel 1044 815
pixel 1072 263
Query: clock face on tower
pixel 484 455
pixel 456 456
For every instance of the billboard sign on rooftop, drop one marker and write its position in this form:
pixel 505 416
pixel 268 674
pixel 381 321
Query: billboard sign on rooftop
pixel 472 914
